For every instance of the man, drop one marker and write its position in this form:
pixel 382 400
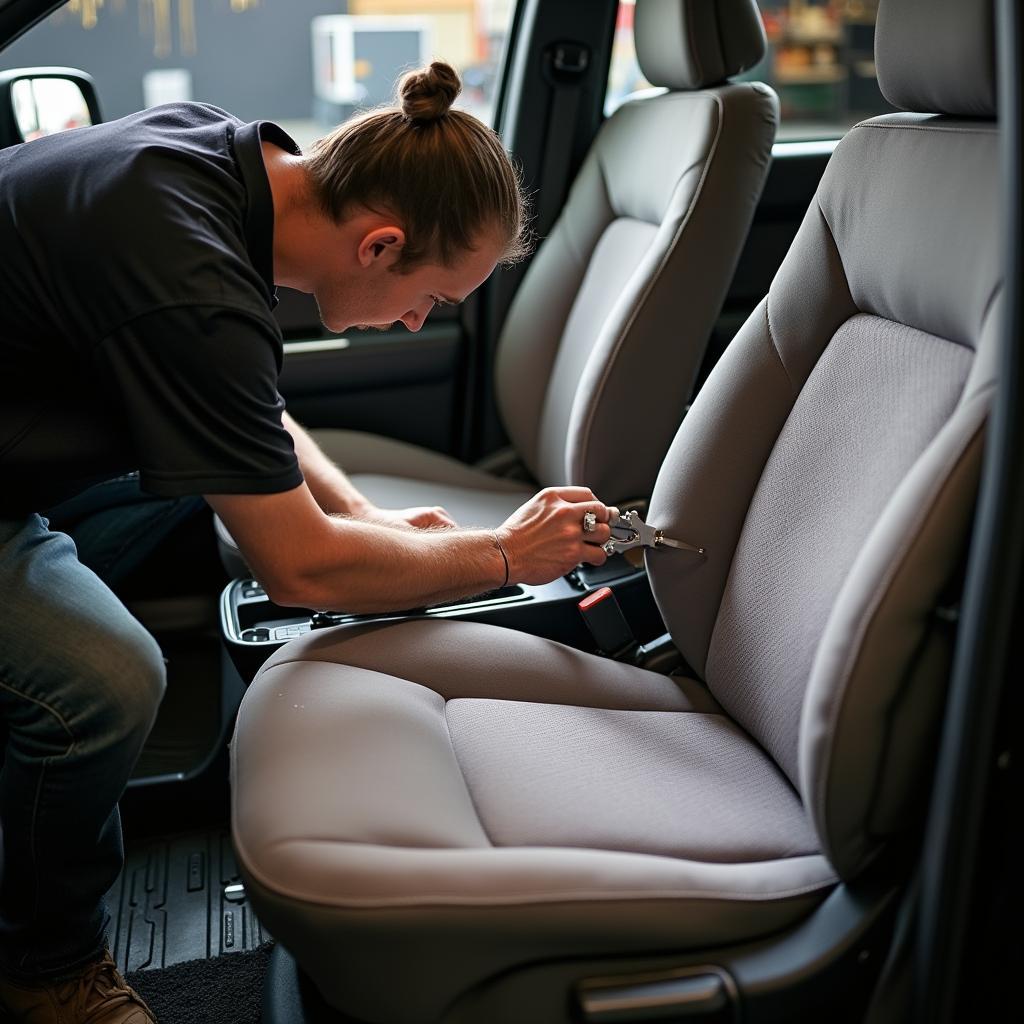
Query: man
pixel 135 334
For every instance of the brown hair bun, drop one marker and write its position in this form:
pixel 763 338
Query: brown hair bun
pixel 427 94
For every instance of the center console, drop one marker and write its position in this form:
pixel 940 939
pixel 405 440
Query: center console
pixel 254 627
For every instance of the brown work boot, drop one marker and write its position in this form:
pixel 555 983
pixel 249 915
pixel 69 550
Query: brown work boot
pixel 96 995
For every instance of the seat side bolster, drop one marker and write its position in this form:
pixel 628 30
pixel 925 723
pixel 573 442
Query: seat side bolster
pixel 876 687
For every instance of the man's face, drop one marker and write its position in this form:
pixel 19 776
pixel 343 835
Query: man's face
pixel 377 296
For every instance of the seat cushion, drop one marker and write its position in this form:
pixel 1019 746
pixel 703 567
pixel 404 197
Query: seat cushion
pixel 394 474
pixel 560 803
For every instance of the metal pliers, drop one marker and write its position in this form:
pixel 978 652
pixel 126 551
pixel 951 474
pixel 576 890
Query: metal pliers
pixel 630 531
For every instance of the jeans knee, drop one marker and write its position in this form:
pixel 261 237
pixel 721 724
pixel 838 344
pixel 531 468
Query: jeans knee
pixel 130 681
pixel 143 683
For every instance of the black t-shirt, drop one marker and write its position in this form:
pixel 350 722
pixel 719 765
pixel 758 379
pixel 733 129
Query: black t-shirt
pixel 135 322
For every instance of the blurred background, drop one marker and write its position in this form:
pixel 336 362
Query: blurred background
pixel 820 60
pixel 309 64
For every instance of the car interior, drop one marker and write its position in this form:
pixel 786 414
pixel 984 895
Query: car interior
pixel 593 338
pixel 766 775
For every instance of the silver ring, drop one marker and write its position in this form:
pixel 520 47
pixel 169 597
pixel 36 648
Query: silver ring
pixel 589 522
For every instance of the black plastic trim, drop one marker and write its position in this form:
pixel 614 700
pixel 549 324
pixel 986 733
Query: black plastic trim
pixel 10 133
pixel 691 993
pixel 18 16
pixel 968 755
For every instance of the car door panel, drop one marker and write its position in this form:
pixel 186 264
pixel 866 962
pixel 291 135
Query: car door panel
pixel 394 383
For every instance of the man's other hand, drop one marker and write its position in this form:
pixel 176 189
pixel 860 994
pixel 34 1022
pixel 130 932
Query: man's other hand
pixel 422 517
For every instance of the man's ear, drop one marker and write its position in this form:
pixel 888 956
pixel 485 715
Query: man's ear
pixel 382 244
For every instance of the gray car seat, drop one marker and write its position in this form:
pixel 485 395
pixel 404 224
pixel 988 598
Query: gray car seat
pixel 422 807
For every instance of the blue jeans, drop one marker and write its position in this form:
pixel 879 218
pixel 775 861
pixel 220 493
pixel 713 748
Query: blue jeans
pixel 116 526
pixel 80 684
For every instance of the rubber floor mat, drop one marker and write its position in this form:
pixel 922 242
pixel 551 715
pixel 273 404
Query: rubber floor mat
pixel 180 899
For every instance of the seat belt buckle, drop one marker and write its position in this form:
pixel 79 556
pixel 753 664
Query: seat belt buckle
pixel 608 626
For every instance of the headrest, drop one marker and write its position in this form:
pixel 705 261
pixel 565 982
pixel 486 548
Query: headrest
pixel 689 44
pixel 937 56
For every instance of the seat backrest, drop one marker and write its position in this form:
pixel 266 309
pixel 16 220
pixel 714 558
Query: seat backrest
pixel 602 344
pixel 830 463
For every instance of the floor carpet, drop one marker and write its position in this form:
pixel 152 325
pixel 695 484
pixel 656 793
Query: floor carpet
pixel 215 991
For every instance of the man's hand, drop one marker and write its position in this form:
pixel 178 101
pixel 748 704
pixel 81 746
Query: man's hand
pixel 420 517
pixel 544 539
pixel 336 494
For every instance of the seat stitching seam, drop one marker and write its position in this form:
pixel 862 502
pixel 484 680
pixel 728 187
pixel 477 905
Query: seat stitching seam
pixel 846 282
pixel 996 289
pixel 839 254
pixel 561 896
pixel 572 896
pixel 508 700
pixel 604 182
pixel 775 349
pixel 928 128
pixel 602 382
pixel 407 847
pixel 465 780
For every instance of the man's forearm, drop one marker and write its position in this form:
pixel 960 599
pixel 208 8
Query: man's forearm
pixel 376 568
pixel 331 489
pixel 307 559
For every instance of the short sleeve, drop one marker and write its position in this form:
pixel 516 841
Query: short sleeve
pixel 197 387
